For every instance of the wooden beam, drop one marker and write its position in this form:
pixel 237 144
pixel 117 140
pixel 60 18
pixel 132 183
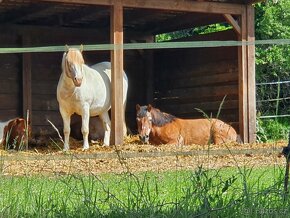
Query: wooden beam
pixel 149 72
pixel 251 73
pixel 243 82
pixel 254 1
pixel 26 78
pixel 185 5
pixel 229 18
pixel 117 111
pixel 173 5
pixel 189 20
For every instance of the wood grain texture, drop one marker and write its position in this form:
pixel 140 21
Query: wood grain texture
pixel 117 75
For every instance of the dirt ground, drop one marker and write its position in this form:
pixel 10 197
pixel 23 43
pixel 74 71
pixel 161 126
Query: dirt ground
pixel 49 159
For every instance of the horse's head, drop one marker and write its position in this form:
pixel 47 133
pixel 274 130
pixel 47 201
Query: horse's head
pixel 72 62
pixel 16 133
pixel 144 122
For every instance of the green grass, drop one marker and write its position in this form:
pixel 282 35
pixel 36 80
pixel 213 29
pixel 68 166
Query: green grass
pixel 272 129
pixel 231 192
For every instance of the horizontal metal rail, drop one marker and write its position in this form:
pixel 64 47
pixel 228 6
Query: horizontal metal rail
pixel 126 155
pixel 274 116
pixel 154 45
pixel 273 83
pixel 276 99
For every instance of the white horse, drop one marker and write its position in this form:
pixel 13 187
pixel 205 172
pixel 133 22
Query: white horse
pixel 2 126
pixel 86 91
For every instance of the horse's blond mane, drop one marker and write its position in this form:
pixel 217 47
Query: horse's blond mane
pixel 74 56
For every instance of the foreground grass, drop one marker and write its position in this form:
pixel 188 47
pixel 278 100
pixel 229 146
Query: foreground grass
pixel 231 192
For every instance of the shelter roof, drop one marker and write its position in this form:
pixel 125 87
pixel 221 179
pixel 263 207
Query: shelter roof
pixel 63 13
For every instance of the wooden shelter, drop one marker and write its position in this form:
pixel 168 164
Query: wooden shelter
pixel 175 80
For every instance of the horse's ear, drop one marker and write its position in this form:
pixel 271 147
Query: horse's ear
pixel 66 48
pixel 138 107
pixel 149 107
pixel 81 48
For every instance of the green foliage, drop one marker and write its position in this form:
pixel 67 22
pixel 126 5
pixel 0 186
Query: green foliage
pixel 273 22
pixel 272 129
pixel 192 31
pixel 273 64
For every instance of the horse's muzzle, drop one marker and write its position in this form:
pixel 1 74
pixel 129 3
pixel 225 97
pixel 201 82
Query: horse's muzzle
pixel 144 139
pixel 78 81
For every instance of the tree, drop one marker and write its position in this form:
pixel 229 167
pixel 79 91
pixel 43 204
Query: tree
pixel 273 22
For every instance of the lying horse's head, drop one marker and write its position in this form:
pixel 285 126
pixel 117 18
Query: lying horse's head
pixel 72 62
pixel 148 118
pixel 144 122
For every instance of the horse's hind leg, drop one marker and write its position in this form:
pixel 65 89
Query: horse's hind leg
pixel 107 126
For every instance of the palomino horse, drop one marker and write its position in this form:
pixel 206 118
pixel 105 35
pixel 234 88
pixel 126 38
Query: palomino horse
pixel 158 128
pixel 86 91
pixel 14 134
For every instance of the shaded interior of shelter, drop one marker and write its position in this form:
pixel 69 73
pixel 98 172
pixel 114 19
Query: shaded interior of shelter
pixel 175 80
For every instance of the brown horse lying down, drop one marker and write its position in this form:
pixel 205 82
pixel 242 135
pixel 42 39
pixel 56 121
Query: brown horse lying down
pixel 158 128
pixel 15 133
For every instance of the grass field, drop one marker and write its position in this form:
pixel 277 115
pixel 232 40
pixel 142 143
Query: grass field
pixel 228 192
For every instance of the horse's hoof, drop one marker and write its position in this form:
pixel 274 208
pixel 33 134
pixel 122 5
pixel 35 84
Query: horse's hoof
pixel 106 145
pixel 85 149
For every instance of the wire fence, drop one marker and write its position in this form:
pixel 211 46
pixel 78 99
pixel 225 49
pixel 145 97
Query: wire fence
pixel 273 99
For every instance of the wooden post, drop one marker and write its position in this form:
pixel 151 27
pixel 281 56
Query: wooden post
pixel 251 73
pixel 26 79
pixel 243 79
pixel 117 74
pixel 149 73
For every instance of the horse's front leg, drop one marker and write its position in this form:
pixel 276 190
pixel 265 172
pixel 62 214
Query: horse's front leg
pixel 107 126
pixel 85 126
pixel 66 127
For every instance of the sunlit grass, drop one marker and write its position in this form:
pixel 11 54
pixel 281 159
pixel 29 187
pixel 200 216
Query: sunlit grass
pixel 231 192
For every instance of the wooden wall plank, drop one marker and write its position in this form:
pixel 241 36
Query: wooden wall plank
pixel 210 106
pixel 9 101
pixel 206 80
pixel 45 103
pixel 6 114
pixel 10 83
pixel 200 92
pixel 117 112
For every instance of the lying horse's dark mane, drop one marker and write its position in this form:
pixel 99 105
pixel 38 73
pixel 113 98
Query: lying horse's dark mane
pixel 159 118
